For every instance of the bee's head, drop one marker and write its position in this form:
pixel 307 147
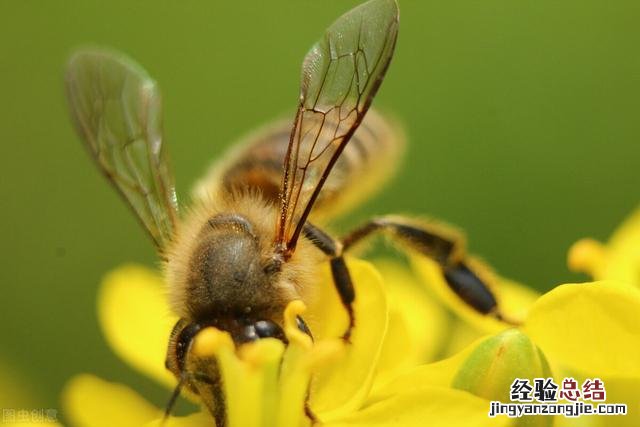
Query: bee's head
pixel 233 281
pixel 230 272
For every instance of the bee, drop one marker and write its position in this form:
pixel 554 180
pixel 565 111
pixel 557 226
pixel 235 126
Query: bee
pixel 249 243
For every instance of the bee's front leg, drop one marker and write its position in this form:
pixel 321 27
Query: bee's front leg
pixel 441 244
pixel 341 277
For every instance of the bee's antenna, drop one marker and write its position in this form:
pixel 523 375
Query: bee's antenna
pixel 174 398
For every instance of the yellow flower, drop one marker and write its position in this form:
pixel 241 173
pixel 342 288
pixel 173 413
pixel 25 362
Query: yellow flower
pixel 266 383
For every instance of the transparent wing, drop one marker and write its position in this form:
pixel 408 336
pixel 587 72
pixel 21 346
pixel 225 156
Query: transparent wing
pixel 340 76
pixel 116 109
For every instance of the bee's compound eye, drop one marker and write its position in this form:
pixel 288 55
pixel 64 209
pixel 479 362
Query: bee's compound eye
pixel 303 326
pixel 268 329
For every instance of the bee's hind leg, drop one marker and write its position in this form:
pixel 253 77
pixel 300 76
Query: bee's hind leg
pixel 441 244
pixel 339 270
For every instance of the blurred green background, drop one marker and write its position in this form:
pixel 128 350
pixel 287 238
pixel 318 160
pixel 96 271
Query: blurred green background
pixel 523 120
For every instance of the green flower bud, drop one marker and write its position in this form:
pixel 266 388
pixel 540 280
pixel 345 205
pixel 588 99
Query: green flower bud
pixel 494 364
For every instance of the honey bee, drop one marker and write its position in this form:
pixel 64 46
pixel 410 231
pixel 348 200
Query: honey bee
pixel 247 245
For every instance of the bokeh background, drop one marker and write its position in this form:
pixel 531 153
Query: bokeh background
pixel 522 116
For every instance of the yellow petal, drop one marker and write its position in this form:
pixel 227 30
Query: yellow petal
pixel 460 335
pixel 295 336
pixel 588 256
pixel 618 260
pixel 259 382
pixel 593 327
pixel 424 406
pixel 300 359
pixel 417 324
pixel 92 402
pixel 513 298
pixel 438 374
pixel 135 319
pixel 208 341
pixel 325 313
pixel 343 386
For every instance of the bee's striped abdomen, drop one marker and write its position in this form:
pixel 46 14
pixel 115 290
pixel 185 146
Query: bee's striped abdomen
pixel 367 161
